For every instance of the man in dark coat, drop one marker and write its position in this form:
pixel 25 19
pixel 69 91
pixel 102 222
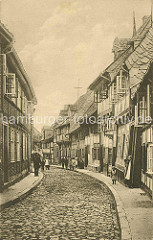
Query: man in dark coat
pixel 63 162
pixel 36 158
pixel 66 162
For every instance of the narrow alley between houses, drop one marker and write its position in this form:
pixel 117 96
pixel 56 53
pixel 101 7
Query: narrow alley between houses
pixel 66 205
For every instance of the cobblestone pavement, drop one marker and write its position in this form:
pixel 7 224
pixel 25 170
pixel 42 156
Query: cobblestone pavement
pixel 66 205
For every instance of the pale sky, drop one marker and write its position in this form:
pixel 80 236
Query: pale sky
pixel 61 41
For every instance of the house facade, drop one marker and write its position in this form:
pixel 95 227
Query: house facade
pixel 124 95
pixel 17 99
pixel 47 143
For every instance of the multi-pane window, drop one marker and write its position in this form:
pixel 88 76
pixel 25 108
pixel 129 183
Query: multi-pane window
pixel 114 92
pixel 12 144
pixel 100 96
pixel 19 96
pixel 10 85
pixel 122 84
pixel 143 108
pixel 150 158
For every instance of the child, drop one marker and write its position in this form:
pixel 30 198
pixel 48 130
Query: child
pixel 47 165
pixel 113 174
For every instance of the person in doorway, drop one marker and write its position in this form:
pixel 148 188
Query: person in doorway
pixel 113 175
pixel 36 158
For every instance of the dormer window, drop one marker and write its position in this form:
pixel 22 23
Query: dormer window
pixel 121 84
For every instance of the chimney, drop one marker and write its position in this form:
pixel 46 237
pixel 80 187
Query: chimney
pixel 144 19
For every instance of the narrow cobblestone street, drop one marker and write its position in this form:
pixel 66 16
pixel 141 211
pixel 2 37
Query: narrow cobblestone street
pixel 66 205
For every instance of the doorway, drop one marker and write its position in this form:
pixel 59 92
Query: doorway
pixel 5 154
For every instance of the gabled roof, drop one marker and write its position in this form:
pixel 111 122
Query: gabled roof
pixel 143 29
pixel 5 33
pixel 139 61
pixel 112 69
pixel 117 64
pixel 85 105
pixel 115 67
pixel 48 140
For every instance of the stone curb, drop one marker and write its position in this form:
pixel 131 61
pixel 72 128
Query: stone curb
pixel 21 195
pixel 124 224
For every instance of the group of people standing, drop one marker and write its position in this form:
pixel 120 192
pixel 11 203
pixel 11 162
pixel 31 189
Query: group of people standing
pixel 71 163
pixel 39 162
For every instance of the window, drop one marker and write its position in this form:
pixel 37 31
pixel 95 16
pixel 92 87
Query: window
pixel 12 144
pixel 150 158
pixel 3 57
pixel 23 102
pixel 25 105
pixel 114 93
pixel 142 109
pixel 29 107
pixel 19 96
pixel 18 145
pixel 11 85
pixel 121 85
pixel 96 97
pixel 24 146
pixel 96 152
pixel 101 95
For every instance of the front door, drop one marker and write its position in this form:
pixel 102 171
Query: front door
pixel 5 153
pixel 86 156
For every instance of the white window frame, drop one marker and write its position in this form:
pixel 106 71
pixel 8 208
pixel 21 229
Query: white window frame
pixel 12 94
pixel 119 84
